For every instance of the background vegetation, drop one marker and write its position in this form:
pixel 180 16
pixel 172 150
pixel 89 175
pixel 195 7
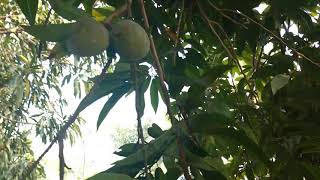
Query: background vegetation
pixel 240 84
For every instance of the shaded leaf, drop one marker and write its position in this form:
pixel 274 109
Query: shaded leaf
pixel 29 9
pixel 66 10
pixel 153 151
pixel 128 149
pixel 154 96
pixel 51 32
pixel 218 127
pixel 107 86
pixel 116 95
pixel 155 131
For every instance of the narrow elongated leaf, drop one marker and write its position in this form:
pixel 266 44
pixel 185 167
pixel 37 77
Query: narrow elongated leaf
pixel 153 151
pixel 154 96
pixel 117 94
pixel 110 176
pixel 107 86
pixel 29 9
pixel 128 149
pixel 51 32
pixel 140 105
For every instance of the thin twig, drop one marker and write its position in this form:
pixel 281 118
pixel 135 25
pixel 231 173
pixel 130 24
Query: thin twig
pixel 228 17
pixel 20 122
pixel 164 89
pixel 229 51
pixel 120 11
pixel 10 31
pixel 157 63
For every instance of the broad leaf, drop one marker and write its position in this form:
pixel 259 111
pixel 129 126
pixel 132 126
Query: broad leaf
pixel 278 82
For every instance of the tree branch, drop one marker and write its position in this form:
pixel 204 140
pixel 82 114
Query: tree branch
pixel 120 11
pixel 178 33
pixel 71 120
pixel 229 51
pixel 61 158
pixel 269 31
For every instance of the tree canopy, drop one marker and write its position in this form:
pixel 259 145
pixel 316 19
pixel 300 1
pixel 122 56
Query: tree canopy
pixel 240 81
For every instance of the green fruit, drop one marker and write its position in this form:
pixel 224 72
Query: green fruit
pixel 90 39
pixel 129 40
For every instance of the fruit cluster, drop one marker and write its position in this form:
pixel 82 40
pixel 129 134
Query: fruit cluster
pixel 126 37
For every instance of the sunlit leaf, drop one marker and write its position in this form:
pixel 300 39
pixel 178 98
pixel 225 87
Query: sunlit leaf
pixel 279 82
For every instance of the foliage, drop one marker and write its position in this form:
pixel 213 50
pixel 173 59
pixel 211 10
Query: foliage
pixel 243 85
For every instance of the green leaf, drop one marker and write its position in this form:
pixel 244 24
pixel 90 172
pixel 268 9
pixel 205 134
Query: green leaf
pixel 159 175
pixel 154 96
pixel 140 103
pixel 218 105
pixel 106 86
pixel 29 9
pixel 152 151
pixel 209 122
pixel 117 94
pixel 110 176
pixel 207 164
pixel 66 10
pixel 219 127
pixel 51 32
pixel 278 82
pixel 155 131
pixel 66 79
pixel 210 76
pixel 173 173
pixel 103 11
pixel 128 149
